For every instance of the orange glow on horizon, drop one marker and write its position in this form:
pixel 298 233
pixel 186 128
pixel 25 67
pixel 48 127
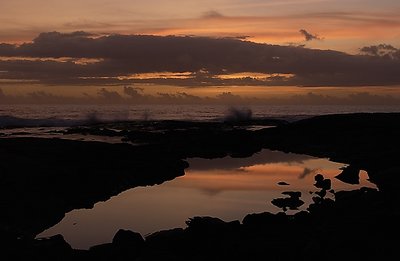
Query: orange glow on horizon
pixel 158 75
pixel 81 61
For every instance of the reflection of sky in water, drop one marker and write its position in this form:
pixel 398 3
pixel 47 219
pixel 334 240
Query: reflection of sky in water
pixel 228 188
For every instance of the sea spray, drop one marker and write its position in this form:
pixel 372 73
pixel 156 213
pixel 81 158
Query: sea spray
pixel 238 114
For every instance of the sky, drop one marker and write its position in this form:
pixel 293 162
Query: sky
pixel 79 48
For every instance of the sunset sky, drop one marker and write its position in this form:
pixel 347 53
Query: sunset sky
pixel 246 47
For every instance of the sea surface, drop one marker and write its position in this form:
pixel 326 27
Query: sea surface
pixel 67 115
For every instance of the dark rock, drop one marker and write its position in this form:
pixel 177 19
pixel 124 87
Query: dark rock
pixel 262 220
pixel 293 202
pixel 321 193
pixel 127 238
pixel 210 225
pixel 387 179
pixel 367 141
pixel 292 194
pixel 167 241
pixel 103 252
pixel 106 247
pixel 126 245
pixel 165 235
pixel 322 183
pixel 52 248
pixel 96 171
pixel 355 221
pixel 282 183
pixel 55 243
pixel 350 175
pixel 302 216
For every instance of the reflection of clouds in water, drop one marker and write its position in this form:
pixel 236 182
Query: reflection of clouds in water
pixel 211 192
pixel 263 157
pixel 216 192
pixel 307 172
pixel 261 177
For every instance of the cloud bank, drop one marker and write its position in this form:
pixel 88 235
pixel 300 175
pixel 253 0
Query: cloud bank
pixel 135 96
pixel 84 58
pixel 382 50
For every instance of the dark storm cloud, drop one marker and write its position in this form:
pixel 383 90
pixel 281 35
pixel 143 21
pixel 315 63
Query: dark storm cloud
pixel 205 58
pixel 7 49
pixel 308 36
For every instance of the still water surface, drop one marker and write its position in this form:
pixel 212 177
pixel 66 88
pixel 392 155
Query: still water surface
pixel 228 188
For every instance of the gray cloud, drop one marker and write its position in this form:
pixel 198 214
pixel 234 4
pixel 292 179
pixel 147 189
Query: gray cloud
pixel 7 49
pixel 205 58
pixel 212 14
pixel 381 50
pixel 306 172
pixel 308 36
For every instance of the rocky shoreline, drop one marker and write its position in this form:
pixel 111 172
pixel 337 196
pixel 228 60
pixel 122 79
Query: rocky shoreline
pixel 42 179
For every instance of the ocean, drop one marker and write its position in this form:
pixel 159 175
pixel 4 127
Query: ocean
pixel 72 115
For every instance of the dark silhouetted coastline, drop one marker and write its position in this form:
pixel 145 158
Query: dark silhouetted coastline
pixel 42 179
